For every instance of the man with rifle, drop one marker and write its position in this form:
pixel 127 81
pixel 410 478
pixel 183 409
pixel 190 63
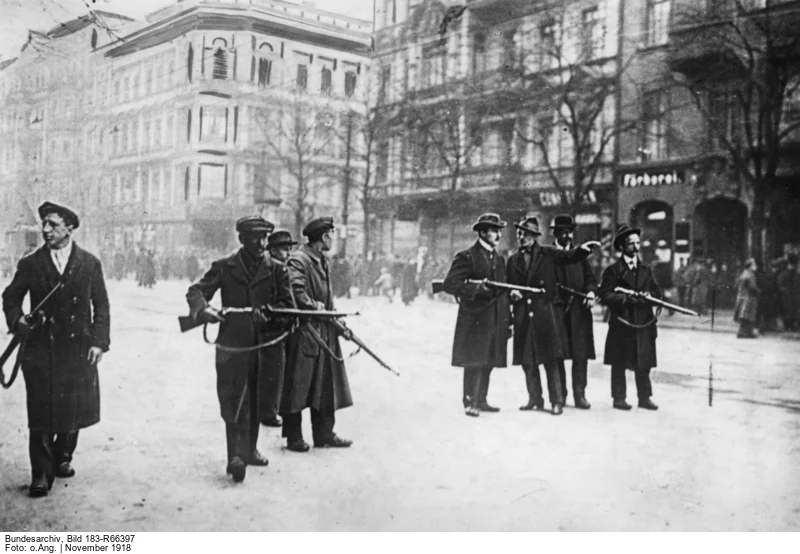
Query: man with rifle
pixel 577 288
pixel 63 342
pixel 482 326
pixel 315 373
pixel 540 336
pixel 247 279
pixel 629 289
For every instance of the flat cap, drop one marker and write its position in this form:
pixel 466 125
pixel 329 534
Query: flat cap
pixel 317 226
pixel 254 224
pixel 69 217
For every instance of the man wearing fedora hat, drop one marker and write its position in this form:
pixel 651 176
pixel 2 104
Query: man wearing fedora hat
pixel 279 245
pixel 245 378
pixel 632 332
pixel 61 351
pixel 482 324
pixel 578 320
pixel 540 336
pixel 316 377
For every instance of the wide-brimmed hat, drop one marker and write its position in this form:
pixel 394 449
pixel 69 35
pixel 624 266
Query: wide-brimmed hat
pixel 254 224
pixel 279 238
pixel 69 216
pixel 563 222
pixel 624 231
pixel 529 225
pixel 488 221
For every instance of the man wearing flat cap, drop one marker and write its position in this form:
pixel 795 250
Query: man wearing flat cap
pixel 246 379
pixel 540 336
pixel 63 344
pixel 482 324
pixel 578 320
pixel 632 332
pixel 315 373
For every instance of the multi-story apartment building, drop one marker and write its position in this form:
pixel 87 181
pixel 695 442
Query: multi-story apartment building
pixel 173 127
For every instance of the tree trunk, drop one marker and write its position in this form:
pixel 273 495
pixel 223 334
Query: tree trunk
pixel 365 225
pixel 347 183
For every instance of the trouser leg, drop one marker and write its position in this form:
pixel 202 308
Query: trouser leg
pixel 64 447
pixel 579 376
pixel 533 381
pixel 273 389
pixel 293 427
pixel 253 423
pixel 485 375
pixel 472 383
pixel 40 450
pixel 562 377
pixel 554 383
pixel 322 422
pixel 644 388
pixel 230 439
pixel 618 384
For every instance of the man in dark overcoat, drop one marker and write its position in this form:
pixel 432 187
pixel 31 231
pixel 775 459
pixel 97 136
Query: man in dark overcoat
pixel 315 373
pixel 578 320
pixel 632 332
pixel 247 279
pixel 482 324
pixel 540 336
pixel 64 346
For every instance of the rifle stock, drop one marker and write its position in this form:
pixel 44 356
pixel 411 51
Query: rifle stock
pixel 437 285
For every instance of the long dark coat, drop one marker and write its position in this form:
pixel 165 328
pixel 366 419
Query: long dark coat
pixel 313 378
pixel 269 285
pixel 579 321
pixel 63 388
pixel 627 346
pixel 746 308
pixel 481 337
pixel 540 335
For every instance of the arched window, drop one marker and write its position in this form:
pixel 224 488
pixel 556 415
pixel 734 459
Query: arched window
pixel 263 62
pixel 94 38
pixel 219 46
pixel 190 61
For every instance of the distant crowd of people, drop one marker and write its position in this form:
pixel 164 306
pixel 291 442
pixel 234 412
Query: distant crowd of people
pixel 148 266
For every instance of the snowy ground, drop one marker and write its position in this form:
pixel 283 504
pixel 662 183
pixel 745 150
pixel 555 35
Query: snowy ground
pixel 156 460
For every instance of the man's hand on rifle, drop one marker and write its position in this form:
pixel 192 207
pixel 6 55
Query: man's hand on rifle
pixel 23 325
pixel 210 315
pixel 589 245
pixel 515 295
pixel 590 299
pixel 260 315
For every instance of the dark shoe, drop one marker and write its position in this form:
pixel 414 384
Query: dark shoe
pixel 237 468
pixel 257 459
pixel 274 421
pixel 581 403
pixel 65 470
pixel 485 407
pixel 472 411
pixel 531 405
pixel 333 441
pixel 558 409
pixel 298 445
pixel 647 404
pixel 39 487
pixel 621 405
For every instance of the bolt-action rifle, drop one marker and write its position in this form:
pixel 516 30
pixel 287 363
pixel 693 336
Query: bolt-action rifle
pixel 656 301
pixel 438 286
pixel 187 323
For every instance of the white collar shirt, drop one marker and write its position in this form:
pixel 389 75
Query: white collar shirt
pixel 60 257
pixel 631 262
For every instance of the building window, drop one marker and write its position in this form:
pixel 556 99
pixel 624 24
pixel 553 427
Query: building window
pixel 385 83
pixel 655 126
pixel 220 56
pixel 349 84
pixel 479 64
pixel 213 123
pixel 212 181
pixel 509 49
pixel 592 34
pixel 146 137
pixel 189 62
pixel 549 54
pixel 657 22
pixel 157 134
pixel 263 63
pixel 302 76
pixel 148 79
pixel 433 65
pixel 327 81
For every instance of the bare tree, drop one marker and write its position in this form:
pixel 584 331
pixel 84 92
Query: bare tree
pixel 748 95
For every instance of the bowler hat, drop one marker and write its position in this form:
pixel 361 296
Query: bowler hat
pixel 487 221
pixel 318 226
pixel 623 231
pixel 529 225
pixel 254 224
pixel 563 222
pixel 69 217
pixel 280 238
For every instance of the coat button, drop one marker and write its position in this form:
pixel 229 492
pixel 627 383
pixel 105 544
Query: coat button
pixel 71 336
pixel 74 300
pixel 72 319
pixel 530 314
pixel 529 301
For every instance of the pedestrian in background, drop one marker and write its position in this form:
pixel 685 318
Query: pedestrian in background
pixel 385 284
pixel 745 312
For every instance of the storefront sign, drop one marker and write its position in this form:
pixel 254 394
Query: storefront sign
pixel 553 198
pixel 653 179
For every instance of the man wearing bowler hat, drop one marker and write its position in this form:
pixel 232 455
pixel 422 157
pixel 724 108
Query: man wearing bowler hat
pixel 64 342
pixel 632 332
pixel 246 378
pixel 482 325
pixel 540 336
pixel 578 320
pixel 315 373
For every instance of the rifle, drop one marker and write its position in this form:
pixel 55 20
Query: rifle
pixel 345 330
pixel 31 318
pixel 576 293
pixel 187 323
pixel 656 301
pixel 438 286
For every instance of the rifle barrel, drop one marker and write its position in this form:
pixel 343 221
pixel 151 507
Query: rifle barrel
pixel 506 286
pixel 658 302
